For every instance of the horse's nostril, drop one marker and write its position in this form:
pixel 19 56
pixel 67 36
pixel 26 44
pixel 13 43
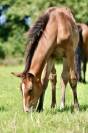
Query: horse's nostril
pixel 26 109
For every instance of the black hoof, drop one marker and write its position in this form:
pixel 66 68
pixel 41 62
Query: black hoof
pixel 80 80
pixel 39 109
pixel 75 108
pixel 84 81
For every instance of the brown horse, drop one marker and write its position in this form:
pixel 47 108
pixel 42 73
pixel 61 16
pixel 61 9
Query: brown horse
pixel 82 50
pixel 54 34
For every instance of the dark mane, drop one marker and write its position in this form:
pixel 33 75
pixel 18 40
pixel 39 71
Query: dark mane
pixel 35 34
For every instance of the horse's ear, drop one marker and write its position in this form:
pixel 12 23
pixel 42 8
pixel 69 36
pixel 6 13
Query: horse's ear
pixel 20 75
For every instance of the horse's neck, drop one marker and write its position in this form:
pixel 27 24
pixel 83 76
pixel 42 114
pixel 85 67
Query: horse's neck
pixel 39 58
pixel 44 48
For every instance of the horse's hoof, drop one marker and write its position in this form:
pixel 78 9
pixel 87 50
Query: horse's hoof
pixel 39 109
pixel 75 107
pixel 53 105
pixel 62 106
pixel 84 81
pixel 80 80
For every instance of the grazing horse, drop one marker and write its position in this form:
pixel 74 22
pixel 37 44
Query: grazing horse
pixel 54 34
pixel 82 50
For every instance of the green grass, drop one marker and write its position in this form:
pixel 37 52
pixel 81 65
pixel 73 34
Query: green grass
pixel 14 120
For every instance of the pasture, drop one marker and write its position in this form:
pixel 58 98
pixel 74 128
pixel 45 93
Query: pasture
pixel 14 120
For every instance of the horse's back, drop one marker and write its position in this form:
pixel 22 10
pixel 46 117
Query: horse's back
pixel 62 27
pixel 84 29
pixel 66 25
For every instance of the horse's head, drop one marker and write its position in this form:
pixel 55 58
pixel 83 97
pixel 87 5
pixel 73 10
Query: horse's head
pixel 31 90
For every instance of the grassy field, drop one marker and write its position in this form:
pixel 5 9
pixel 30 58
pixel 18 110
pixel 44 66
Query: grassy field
pixel 14 120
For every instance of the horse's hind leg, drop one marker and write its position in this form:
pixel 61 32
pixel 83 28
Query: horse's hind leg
pixel 64 81
pixel 84 69
pixel 53 80
pixel 72 76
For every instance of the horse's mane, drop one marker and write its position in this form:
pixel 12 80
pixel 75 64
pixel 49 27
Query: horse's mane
pixel 35 34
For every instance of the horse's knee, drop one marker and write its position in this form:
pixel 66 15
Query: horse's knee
pixel 73 83
pixel 65 77
pixel 53 79
pixel 73 79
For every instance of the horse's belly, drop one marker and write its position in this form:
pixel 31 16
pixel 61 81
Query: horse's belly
pixel 58 53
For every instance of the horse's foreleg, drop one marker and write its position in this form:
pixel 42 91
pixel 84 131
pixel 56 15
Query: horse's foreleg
pixel 76 105
pixel 53 80
pixel 73 77
pixel 40 105
pixel 64 81
pixel 44 81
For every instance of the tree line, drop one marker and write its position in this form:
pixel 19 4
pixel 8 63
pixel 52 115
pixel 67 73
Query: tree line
pixel 12 33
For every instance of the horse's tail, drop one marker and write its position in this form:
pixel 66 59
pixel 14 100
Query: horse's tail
pixel 78 53
pixel 35 34
pixel 80 35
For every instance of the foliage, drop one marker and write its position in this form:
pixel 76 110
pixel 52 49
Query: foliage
pixel 14 30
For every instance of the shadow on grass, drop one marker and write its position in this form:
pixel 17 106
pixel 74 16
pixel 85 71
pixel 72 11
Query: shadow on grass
pixel 57 110
pixel 53 111
pixel 85 82
pixel 82 82
pixel 82 108
pixel 67 108
pixel 3 109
